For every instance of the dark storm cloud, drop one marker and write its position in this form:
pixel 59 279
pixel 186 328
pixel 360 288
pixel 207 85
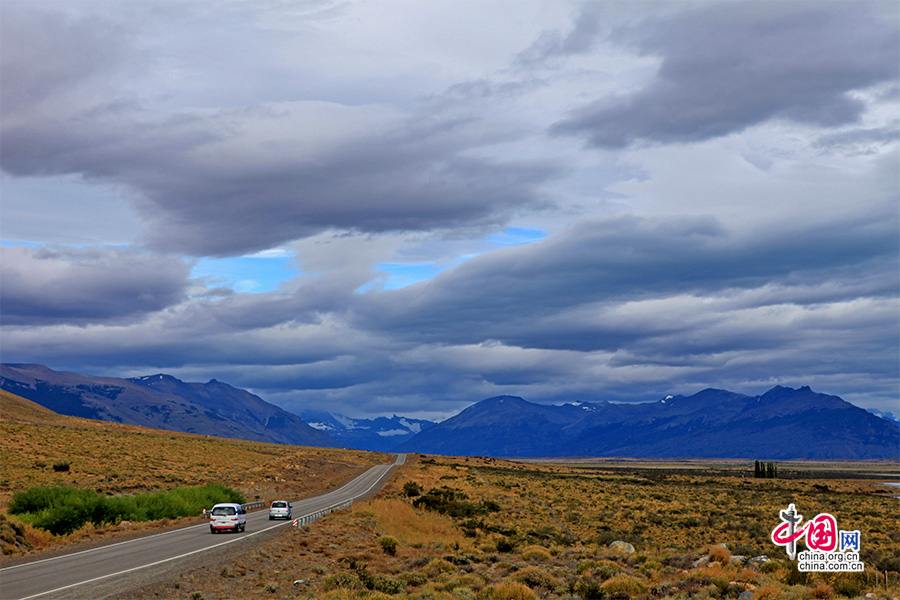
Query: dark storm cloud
pixel 407 181
pixel 415 178
pixel 522 296
pixel 725 67
pixel 41 286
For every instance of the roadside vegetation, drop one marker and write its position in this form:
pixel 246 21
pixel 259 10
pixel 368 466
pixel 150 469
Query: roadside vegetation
pixel 62 509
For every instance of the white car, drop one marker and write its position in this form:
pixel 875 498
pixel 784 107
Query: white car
pixel 227 516
pixel 280 509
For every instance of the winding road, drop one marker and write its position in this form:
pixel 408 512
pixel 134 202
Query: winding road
pixel 58 574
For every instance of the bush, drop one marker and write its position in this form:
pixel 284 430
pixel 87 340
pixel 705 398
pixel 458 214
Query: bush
pixel 454 503
pixel 388 545
pixel 413 579
pixel 385 585
pixel 849 585
pixel 796 576
pixel 822 591
pixel 62 509
pixel 604 569
pixel 491 506
pixel 770 566
pixel 412 489
pixel 469 582
pixel 535 577
pixel 719 554
pixel 61 466
pixel 536 552
pixel 12 536
pixel 624 584
pixel 509 590
pixel 438 566
pixel 589 589
pixel 341 581
pixel 505 545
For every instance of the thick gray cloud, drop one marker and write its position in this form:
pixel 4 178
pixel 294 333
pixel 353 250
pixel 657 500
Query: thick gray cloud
pixel 46 53
pixel 742 234
pixel 223 181
pixel 218 186
pixel 728 66
pixel 42 285
pixel 519 295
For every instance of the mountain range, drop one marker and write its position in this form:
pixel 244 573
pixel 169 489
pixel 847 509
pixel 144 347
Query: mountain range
pixel 162 402
pixel 783 423
pixel 381 434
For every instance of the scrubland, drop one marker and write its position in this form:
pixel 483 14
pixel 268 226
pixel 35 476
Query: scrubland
pixel 448 528
pixel 456 528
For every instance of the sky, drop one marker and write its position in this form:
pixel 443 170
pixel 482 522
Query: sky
pixel 396 206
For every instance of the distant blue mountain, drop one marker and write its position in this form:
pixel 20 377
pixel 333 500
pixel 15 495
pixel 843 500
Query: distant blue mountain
pixel 380 434
pixel 162 402
pixel 783 423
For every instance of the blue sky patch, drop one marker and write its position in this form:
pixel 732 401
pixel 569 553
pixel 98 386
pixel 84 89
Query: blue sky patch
pixel 254 274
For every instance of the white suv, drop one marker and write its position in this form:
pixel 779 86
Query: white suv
pixel 280 509
pixel 227 516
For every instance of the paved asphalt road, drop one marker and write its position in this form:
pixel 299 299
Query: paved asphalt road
pixel 55 575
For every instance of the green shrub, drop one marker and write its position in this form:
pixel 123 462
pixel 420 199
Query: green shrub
pixel 388 544
pixel 589 589
pixel 536 552
pixel 770 566
pixel 535 577
pixel 453 502
pixel 412 489
pixel 604 569
pixel 509 590
pixel 412 579
pixel 849 585
pixel 62 509
pixel 624 584
pixel 796 576
pixel 341 581
pixel 385 584
pixel 438 566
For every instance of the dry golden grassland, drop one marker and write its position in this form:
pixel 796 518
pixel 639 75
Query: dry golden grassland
pixel 547 535
pixel 451 528
pixel 123 459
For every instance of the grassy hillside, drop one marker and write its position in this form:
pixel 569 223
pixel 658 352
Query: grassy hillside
pixel 43 448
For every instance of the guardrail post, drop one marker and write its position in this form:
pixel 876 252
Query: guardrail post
pixel 307 519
